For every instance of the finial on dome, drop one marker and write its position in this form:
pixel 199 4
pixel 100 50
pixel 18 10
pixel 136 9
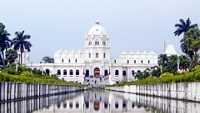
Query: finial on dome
pixel 97 22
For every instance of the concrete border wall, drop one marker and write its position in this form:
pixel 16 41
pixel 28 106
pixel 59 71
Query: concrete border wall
pixel 181 91
pixel 13 91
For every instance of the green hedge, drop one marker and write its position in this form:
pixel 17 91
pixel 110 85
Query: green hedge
pixel 193 76
pixel 29 77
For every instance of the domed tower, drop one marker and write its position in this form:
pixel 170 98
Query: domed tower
pixel 97 50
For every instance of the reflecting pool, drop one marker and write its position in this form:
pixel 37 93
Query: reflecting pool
pixel 99 101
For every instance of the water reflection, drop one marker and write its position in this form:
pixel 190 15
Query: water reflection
pixel 99 102
pixel 30 105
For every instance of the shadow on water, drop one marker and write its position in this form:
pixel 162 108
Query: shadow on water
pixel 99 101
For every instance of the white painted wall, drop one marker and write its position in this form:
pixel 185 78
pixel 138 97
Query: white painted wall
pixel 183 91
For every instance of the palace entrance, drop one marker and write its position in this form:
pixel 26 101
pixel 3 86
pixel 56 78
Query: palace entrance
pixel 96 72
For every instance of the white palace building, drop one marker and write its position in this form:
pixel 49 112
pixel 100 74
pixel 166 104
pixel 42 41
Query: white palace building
pixel 95 62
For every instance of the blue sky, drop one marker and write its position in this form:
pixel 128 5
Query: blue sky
pixel 132 25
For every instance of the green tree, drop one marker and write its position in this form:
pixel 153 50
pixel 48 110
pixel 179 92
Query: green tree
pixel 5 42
pixel 155 71
pixel 11 56
pixel 184 62
pixel 48 59
pixel 146 73
pixel 172 64
pixel 163 62
pixel 20 43
pixel 168 63
pixel 183 27
pixel 139 75
pixel 190 45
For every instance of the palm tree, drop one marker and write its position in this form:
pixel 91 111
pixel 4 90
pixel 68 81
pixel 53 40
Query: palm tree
pixel 190 44
pixel 5 42
pixel 184 26
pixel 20 43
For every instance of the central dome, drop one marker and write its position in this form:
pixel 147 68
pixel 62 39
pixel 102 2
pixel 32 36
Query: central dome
pixel 97 30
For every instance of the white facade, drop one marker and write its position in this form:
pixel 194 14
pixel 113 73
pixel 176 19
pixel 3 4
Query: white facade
pixel 94 61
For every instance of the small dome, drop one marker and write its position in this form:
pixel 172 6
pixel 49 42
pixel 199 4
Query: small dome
pixel 97 29
pixel 170 50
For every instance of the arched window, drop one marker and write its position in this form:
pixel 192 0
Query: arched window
pixel 76 60
pixel 106 72
pixel 65 72
pixel 141 61
pixel 104 55
pixel 90 43
pixel 62 60
pixel 69 60
pixel 104 43
pixel 71 72
pixel 133 105
pixel 58 105
pixel 148 61
pixel 127 61
pixel 87 104
pixel 97 55
pixel 105 105
pixel 124 73
pixel 87 73
pixel 77 72
pixel 58 72
pixel 77 105
pixel 71 105
pixel 116 105
pixel 124 104
pixel 65 105
pixel 89 55
pixel 116 72
pixel 96 42
pixel 133 72
pixel 47 71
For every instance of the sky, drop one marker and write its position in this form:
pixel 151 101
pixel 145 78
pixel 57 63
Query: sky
pixel 132 25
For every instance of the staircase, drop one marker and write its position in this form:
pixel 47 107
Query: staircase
pixel 100 81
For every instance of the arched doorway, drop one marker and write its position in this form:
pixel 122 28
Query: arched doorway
pixel 96 72
pixel 87 73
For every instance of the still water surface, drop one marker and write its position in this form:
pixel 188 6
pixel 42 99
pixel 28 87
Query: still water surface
pixel 99 102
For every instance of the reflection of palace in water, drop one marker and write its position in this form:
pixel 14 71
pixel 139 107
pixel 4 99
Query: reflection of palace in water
pixel 95 102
